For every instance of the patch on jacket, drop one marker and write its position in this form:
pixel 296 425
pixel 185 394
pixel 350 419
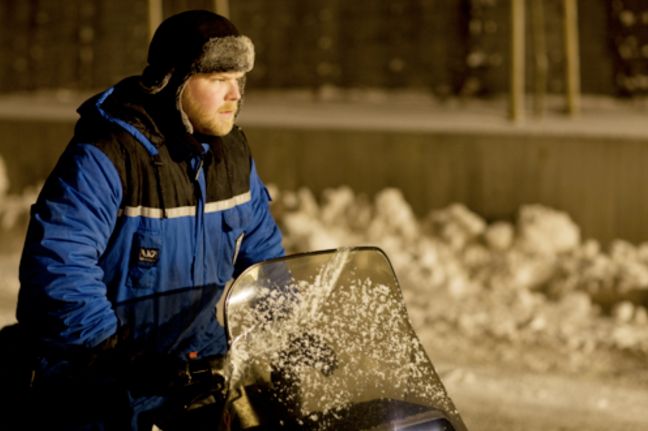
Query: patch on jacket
pixel 148 255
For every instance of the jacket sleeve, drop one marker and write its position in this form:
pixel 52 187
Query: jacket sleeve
pixel 263 238
pixel 62 298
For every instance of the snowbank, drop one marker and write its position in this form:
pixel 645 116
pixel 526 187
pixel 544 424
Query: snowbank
pixel 534 281
pixel 14 209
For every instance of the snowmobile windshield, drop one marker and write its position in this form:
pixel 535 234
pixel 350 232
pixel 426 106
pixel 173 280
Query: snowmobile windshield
pixel 324 338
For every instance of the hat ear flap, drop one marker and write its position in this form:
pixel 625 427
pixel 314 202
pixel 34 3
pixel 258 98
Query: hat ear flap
pixel 178 102
pixel 153 81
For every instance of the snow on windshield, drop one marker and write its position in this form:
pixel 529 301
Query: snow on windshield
pixel 346 340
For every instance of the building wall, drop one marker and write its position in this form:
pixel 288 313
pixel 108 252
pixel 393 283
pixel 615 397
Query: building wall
pixel 597 180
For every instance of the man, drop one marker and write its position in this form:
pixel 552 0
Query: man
pixel 152 208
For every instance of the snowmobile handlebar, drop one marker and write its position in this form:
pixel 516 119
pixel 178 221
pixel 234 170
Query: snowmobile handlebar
pixel 204 371
pixel 191 380
pixel 202 381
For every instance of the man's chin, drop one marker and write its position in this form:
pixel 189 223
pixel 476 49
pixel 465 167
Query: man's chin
pixel 227 130
pixel 220 130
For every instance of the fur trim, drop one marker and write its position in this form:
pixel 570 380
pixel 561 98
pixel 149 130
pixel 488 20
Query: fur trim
pixel 226 54
pixel 183 115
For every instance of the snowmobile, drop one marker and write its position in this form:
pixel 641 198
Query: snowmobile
pixel 322 341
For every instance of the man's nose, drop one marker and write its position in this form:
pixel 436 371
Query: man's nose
pixel 233 91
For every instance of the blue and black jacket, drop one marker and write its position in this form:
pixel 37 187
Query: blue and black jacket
pixel 138 229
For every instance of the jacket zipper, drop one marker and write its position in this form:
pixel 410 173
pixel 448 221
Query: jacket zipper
pixel 199 245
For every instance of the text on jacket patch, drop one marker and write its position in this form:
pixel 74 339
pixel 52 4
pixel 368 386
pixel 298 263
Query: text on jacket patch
pixel 148 255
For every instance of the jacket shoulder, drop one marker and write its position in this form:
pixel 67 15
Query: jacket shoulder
pixel 119 147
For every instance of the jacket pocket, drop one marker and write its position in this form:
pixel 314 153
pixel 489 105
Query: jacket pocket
pixel 143 270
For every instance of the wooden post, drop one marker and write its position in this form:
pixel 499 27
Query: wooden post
pixel 516 108
pixel 154 16
pixel 540 62
pixel 572 57
pixel 222 7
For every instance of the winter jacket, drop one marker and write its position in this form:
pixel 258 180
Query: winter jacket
pixel 139 227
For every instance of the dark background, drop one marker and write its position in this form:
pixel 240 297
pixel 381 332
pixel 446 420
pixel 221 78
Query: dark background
pixel 446 47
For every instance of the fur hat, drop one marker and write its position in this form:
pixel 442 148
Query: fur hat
pixel 195 41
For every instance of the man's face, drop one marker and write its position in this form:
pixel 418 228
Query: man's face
pixel 210 101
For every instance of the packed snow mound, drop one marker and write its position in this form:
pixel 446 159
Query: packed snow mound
pixel 14 209
pixel 547 231
pixel 533 280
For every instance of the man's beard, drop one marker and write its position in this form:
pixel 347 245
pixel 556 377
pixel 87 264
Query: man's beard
pixel 215 123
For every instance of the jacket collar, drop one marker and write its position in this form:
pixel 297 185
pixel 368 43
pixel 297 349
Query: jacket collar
pixel 151 118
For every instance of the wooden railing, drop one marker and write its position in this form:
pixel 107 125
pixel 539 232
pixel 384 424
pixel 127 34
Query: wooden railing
pixel 518 58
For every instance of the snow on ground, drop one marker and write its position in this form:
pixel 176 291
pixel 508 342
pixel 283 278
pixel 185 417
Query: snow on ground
pixel 8 287
pixel 530 325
